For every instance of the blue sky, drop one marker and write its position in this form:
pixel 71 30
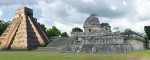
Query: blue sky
pixel 66 14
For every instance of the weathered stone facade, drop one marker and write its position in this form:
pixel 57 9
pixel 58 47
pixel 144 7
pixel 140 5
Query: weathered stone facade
pixel 92 24
pixel 23 33
pixel 98 38
pixel 137 42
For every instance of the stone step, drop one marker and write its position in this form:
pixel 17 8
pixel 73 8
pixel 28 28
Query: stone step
pixel 48 49
pixel 60 42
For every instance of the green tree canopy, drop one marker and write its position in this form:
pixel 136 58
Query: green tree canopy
pixel 3 26
pixel 105 25
pixel 51 32
pixel 128 31
pixel 64 34
pixel 147 31
pixel 77 29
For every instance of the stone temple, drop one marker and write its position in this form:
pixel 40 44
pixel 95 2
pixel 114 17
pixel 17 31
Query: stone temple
pixel 23 33
pixel 97 37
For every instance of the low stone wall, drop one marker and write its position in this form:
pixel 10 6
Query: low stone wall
pixel 113 48
pixel 136 44
pixel 103 48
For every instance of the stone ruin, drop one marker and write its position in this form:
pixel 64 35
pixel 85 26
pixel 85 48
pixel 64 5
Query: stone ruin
pixel 23 33
pixel 97 38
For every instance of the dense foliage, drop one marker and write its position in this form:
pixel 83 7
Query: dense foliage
pixel 128 31
pixel 77 29
pixel 52 32
pixel 105 25
pixel 3 26
pixel 64 34
pixel 131 32
pixel 147 31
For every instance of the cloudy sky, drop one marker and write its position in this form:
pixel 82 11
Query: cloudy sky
pixel 66 14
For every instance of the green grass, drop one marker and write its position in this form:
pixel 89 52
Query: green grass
pixel 46 55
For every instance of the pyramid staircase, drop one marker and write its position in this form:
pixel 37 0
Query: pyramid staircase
pixel 23 33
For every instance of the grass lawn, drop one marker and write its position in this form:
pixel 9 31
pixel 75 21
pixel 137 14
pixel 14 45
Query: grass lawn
pixel 46 55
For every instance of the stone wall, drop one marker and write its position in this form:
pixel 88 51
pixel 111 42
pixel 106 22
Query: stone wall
pixel 136 44
pixel 106 48
pixel 103 48
pixel 102 40
pixel 96 38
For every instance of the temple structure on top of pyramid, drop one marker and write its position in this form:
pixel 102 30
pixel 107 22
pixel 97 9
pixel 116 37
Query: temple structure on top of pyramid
pixel 23 33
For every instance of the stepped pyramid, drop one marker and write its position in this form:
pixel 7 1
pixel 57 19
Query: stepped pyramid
pixel 23 33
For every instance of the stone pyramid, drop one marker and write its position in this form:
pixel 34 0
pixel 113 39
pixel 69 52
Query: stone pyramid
pixel 23 33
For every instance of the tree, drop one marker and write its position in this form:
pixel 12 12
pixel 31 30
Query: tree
pixel 64 34
pixel 3 26
pixel 51 32
pixel 147 38
pixel 105 25
pixel 147 31
pixel 77 29
pixel 128 31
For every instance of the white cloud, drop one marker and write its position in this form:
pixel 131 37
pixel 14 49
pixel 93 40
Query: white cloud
pixel 104 8
pixel 1 13
pixel 88 1
pixel 60 15
pixel 113 8
pixel 124 3
pixel 142 9
pixel 16 2
pixel 65 27
pixel 67 14
pixel 121 23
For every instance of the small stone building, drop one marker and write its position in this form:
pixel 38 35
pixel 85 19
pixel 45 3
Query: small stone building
pixel 92 24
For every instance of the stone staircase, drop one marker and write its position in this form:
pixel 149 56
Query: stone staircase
pixel 9 33
pixel 58 44
pixel 39 31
